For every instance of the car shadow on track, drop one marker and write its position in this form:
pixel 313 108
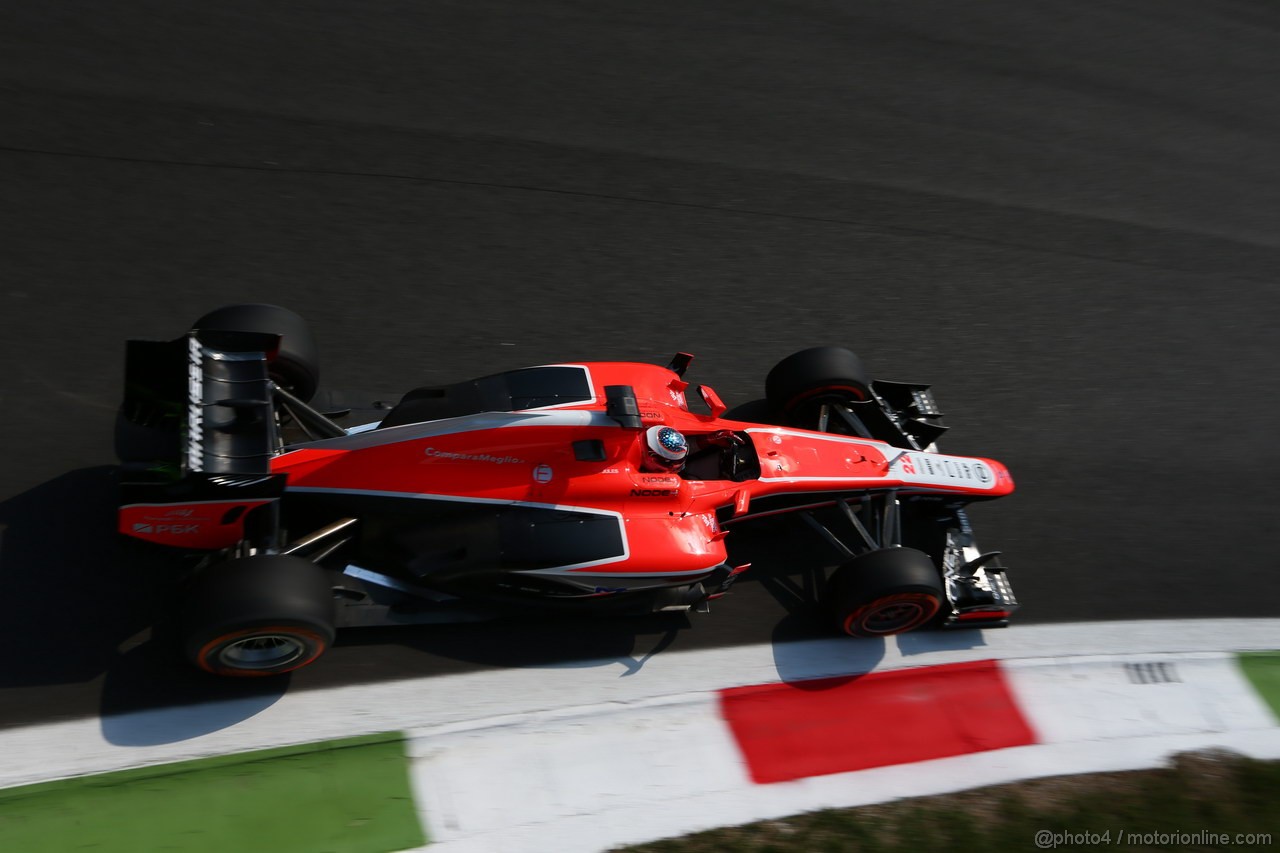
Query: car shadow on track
pixel 79 635
pixel 780 589
pixel 809 652
pixel 77 639
pixel 71 598
pixel 76 618
pixel 532 641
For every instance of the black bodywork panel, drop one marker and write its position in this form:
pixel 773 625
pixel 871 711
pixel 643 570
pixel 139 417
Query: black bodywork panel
pixel 453 546
pixel 514 390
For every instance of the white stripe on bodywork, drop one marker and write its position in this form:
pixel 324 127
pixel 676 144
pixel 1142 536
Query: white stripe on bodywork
pixel 457 426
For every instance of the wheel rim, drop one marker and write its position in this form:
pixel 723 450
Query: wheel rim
pixel 262 652
pixel 892 615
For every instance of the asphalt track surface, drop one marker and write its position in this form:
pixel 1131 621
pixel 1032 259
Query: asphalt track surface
pixel 1064 215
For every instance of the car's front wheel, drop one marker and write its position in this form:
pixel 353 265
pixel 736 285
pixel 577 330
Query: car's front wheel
pixel 884 592
pixel 800 384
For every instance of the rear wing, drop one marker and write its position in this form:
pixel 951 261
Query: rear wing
pixel 215 397
pixel 195 437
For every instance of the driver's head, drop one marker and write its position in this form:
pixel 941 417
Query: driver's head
pixel 667 448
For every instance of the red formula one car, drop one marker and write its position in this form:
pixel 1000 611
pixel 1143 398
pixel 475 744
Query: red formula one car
pixel 564 487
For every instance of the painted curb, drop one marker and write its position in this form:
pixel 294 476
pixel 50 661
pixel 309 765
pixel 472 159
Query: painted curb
pixel 535 760
pixel 591 778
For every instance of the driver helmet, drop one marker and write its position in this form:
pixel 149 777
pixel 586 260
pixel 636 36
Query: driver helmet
pixel 667 447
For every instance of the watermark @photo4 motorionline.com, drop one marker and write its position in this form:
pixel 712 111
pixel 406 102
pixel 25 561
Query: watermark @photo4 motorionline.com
pixel 1049 840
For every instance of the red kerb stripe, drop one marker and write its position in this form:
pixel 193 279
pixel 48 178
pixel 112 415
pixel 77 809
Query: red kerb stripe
pixel 813 728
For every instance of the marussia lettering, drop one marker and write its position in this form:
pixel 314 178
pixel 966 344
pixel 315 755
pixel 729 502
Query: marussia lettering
pixel 954 469
pixel 195 406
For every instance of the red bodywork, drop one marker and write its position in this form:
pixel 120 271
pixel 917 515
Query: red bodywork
pixel 198 524
pixel 669 522
pixel 669 526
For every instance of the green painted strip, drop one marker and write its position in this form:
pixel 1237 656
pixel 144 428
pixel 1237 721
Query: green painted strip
pixel 1263 671
pixel 346 796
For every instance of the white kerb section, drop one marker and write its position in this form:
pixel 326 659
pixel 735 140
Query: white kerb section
pixel 1095 698
pixel 582 780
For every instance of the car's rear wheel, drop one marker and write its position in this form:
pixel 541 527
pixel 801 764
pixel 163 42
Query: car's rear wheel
pixel 889 591
pixel 800 383
pixel 260 615
pixel 296 365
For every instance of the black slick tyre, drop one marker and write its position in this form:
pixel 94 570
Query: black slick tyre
pixel 260 615
pixel 884 592
pixel 810 377
pixel 296 365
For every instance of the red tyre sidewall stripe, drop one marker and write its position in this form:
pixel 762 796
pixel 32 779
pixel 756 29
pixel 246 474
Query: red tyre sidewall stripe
pixel 203 656
pixel 929 604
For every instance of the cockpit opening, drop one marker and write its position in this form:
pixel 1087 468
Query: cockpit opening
pixel 721 455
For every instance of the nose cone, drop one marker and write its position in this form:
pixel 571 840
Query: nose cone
pixel 1004 480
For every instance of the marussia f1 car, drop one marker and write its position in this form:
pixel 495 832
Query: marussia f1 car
pixel 592 486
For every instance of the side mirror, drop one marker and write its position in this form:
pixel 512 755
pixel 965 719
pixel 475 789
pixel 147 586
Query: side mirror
pixel 713 401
